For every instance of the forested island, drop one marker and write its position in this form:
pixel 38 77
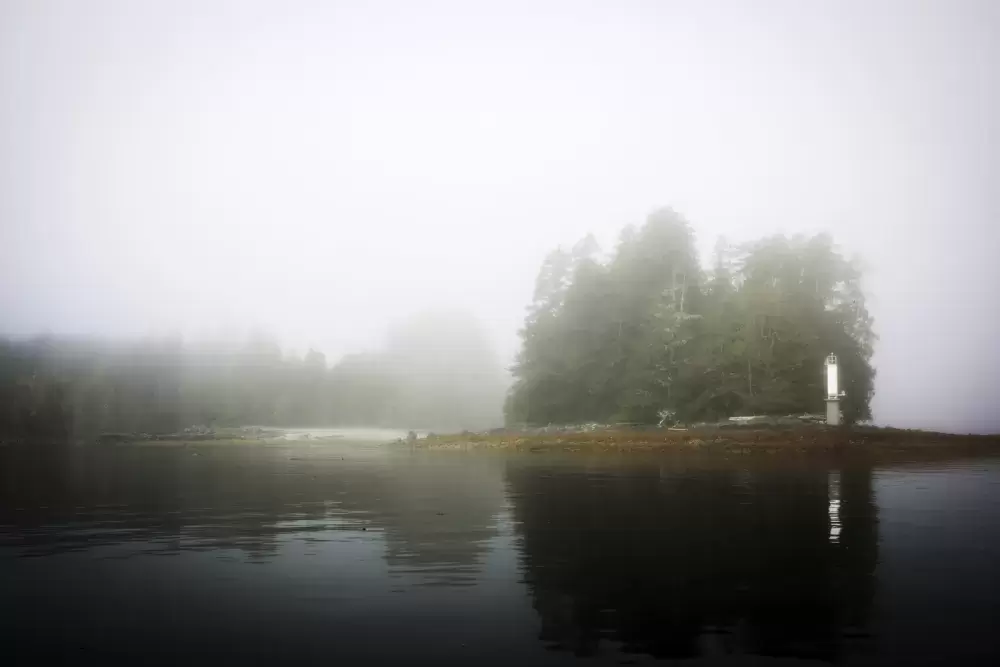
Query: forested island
pixel 643 350
pixel 646 336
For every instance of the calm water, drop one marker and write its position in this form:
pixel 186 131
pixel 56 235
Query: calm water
pixel 358 555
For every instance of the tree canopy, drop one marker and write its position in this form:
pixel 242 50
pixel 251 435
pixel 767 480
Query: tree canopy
pixel 648 336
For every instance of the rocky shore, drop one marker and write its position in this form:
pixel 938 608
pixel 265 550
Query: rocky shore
pixel 723 438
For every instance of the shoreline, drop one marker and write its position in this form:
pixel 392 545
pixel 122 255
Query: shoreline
pixel 742 440
pixel 711 440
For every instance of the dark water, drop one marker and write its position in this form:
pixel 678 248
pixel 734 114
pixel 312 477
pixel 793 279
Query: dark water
pixel 342 555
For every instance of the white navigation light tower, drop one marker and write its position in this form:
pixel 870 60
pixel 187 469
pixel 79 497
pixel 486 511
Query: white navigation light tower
pixel 833 393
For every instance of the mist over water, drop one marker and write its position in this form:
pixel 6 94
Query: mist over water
pixel 437 372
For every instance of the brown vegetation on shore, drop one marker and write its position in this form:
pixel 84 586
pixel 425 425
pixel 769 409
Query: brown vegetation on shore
pixel 802 439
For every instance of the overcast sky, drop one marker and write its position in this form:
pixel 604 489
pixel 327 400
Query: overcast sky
pixel 321 169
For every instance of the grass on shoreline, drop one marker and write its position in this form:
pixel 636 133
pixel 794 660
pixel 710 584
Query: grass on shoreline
pixel 730 440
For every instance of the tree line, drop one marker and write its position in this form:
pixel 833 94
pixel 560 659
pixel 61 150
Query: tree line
pixel 643 335
pixel 437 371
pixel 647 336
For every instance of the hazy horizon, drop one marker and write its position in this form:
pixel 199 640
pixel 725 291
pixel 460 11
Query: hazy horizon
pixel 323 171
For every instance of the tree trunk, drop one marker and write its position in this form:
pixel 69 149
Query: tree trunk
pixel 683 291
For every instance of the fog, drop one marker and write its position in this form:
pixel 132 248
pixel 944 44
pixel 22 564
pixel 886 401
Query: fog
pixel 324 171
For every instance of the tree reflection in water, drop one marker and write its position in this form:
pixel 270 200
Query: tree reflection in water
pixel 687 557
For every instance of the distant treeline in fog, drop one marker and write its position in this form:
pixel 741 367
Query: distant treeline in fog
pixel 437 371
pixel 647 335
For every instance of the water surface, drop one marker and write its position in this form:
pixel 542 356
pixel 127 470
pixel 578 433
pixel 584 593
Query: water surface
pixel 355 553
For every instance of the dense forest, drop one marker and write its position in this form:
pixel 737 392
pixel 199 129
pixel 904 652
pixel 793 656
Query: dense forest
pixel 436 371
pixel 647 336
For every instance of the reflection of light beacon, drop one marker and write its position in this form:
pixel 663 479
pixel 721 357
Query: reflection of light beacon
pixel 833 393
